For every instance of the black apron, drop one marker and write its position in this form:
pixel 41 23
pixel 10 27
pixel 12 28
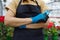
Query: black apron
pixel 26 11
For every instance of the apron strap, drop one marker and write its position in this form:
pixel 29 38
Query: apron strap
pixel 20 2
pixel 37 4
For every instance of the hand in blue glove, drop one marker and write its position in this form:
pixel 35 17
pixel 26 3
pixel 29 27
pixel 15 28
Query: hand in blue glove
pixel 41 17
pixel 45 13
pixel 43 20
pixel 38 17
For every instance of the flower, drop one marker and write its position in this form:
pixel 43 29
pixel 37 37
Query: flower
pixel 1 18
pixel 50 25
pixel 58 27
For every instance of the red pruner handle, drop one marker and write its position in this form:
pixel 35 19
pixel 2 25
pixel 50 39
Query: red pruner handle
pixel 50 25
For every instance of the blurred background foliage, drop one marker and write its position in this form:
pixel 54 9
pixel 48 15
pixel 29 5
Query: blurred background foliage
pixel 6 32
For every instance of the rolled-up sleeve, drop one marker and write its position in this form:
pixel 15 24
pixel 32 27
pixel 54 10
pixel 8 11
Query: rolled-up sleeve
pixel 11 6
pixel 43 6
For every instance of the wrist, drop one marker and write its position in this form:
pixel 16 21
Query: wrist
pixel 28 20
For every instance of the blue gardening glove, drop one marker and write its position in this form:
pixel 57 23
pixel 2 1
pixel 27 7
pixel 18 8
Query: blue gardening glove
pixel 46 13
pixel 38 17
pixel 43 20
pixel 41 17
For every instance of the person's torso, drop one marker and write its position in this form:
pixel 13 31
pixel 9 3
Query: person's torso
pixel 24 11
pixel 27 10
